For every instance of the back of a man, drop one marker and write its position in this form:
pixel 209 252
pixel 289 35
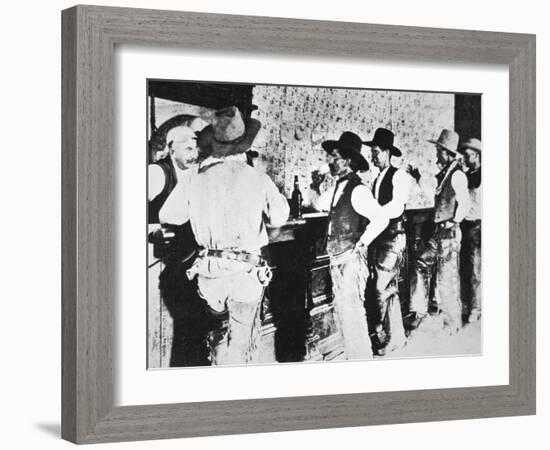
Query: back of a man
pixel 229 204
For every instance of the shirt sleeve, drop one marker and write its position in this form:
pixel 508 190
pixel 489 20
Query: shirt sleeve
pixel 156 181
pixel 365 204
pixel 175 210
pixel 401 186
pixel 460 186
pixel 276 207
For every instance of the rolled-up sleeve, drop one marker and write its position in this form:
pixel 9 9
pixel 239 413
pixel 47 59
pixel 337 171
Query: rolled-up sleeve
pixel 401 187
pixel 276 208
pixel 365 204
pixel 156 181
pixel 175 210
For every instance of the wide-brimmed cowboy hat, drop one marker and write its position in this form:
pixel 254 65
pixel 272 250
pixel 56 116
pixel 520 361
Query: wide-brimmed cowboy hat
pixel 349 146
pixel 448 139
pixel 473 143
pixel 383 138
pixel 228 134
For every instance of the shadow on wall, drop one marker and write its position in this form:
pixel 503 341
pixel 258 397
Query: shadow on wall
pixel 52 429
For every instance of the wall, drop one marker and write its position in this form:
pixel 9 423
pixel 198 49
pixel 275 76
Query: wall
pixel 31 325
pixel 296 120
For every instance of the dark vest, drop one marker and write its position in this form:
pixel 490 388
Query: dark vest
pixel 345 225
pixel 445 197
pixel 183 243
pixel 385 192
pixel 170 182
pixel 474 179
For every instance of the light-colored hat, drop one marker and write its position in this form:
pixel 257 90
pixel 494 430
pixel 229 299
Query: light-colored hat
pixel 229 133
pixel 181 133
pixel 473 143
pixel 448 139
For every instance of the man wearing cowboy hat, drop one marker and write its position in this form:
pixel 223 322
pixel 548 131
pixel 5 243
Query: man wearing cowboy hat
pixel 391 190
pixel 229 204
pixel 471 229
pixel 355 219
pixel 441 252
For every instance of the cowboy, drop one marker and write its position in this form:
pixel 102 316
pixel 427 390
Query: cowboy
pixel 229 205
pixel 471 229
pixel 386 253
pixel 355 219
pixel 441 252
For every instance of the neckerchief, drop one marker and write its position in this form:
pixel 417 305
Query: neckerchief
pixel 448 170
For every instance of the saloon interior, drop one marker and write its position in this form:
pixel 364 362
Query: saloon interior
pixel 297 318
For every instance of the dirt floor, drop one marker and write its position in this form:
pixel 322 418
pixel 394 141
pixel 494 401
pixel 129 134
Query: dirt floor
pixel 430 339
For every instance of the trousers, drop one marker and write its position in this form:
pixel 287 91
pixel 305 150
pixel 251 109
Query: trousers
pixel 471 253
pixel 191 323
pixel 440 258
pixel 349 273
pixel 241 294
pixel 386 256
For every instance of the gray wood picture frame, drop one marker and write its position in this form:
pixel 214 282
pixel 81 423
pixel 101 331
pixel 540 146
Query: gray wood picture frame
pixel 90 34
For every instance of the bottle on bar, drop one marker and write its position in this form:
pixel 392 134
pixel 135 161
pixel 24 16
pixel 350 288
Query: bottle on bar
pixel 296 200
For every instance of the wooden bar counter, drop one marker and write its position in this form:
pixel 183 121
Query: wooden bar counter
pixel 297 313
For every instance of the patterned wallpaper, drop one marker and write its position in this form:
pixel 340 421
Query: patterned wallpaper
pixel 296 120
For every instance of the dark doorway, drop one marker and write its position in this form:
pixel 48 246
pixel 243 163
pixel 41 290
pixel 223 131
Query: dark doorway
pixel 468 116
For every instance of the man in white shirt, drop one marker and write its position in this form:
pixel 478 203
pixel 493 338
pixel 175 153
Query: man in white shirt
pixel 190 322
pixel 471 228
pixel 164 174
pixel 355 219
pixel 229 204
pixel 441 252
pixel 386 253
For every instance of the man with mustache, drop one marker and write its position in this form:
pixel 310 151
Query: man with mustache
pixel 229 203
pixel 471 228
pixel 178 293
pixel 355 219
pixel 441 252
pixel 391 190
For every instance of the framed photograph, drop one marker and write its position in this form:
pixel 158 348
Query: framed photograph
pixel 297 315
pixel 268 230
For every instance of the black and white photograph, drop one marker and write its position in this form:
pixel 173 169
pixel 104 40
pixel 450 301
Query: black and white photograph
pixel 290 224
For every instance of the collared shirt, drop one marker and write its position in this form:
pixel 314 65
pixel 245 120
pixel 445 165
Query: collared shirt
pixel 229 204
pixel 365 204
pixel 401 186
